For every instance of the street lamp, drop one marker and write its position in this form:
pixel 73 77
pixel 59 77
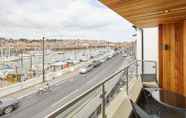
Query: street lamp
pixel 43 58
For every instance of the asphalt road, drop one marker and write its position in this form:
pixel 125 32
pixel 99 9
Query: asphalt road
pixel 36 106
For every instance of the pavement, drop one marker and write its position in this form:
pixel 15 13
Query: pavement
pixel 52 78
pixel 4 83
pixel 38 106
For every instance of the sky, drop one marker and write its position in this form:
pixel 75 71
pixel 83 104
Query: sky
pixel 85 19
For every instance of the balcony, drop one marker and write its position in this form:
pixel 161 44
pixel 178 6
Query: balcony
pixel 110 97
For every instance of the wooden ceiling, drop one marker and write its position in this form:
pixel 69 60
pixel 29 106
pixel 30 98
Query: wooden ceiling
pixel 149 13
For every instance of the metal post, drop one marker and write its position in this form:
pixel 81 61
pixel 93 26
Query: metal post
pixel 136 69
pixel 31 72
pixel 157 81
pixel 127 76
pixel 22 65
pixel 142 53
pixel 90 51
pixel 43 47
pixel 103 102
pixel 135 50
pixel 75 50
pixel 122 76
pixel 31 62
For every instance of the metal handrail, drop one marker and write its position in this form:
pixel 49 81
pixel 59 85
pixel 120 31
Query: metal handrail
pixel 155 67
pixel 100 84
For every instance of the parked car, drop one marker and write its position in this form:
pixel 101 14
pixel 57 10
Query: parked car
pixel 7 105
pixel 103 60
pixel 69 61
pixel 96 63
pixel 91 57
pixel 124 55
pixel 110 55
pixel 76 61
pixel 86 69
pixel 84 59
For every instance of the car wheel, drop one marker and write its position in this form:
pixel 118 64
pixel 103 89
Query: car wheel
pixel 8 109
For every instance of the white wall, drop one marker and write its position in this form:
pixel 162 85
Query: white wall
pixel 138 49
pixel 150 44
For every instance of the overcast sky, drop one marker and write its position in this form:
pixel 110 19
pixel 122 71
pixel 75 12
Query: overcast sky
pixel 61 18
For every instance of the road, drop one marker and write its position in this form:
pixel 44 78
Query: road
pixel 36 106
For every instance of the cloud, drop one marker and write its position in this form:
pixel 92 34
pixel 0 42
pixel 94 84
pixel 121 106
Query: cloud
pixel 65 18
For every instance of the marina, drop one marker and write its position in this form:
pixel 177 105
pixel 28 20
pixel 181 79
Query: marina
pixel 28 65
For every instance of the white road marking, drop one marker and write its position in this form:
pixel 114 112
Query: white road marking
pixel 59 101
pixel 71 80
pixel 57 83
pixel 88 82
pixel 25 95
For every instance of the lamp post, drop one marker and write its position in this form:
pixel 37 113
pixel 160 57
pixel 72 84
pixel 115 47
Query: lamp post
pixel 31 62
pixel 22 64
pixel 75 50
pixel 43 58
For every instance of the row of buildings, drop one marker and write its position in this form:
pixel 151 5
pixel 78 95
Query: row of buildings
pixel 56 44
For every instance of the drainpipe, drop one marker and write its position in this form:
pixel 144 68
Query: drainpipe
pixel 142 52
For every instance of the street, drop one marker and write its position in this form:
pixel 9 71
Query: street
pixel 38 106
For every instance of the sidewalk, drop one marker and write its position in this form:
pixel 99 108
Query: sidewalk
pixel 52 78
pixel 4 83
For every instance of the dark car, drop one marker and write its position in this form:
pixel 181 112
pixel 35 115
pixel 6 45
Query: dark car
pixel 7 105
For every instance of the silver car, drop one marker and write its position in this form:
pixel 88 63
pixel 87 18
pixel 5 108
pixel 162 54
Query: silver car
pixel 124 55
pixel 86 69
pixel 7 105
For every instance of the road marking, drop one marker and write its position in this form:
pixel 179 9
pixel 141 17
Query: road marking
pixel 59 101
pixel 21 97
pixel 65 98
pixel 54 82
pixel 67 79
pixel 88 82
pixel 71 80
pixel 59 82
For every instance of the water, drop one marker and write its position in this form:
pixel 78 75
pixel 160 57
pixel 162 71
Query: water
pixel 24 65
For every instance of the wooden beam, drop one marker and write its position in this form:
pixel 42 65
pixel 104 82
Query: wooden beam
pixel 149 13
pixel 184 61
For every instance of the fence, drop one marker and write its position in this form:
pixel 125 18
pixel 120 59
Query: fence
pixel 92 103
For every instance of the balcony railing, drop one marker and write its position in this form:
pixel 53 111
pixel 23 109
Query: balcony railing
pixel 100 95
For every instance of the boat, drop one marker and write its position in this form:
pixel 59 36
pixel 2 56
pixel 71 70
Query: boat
pixel 9 59
pixel 24 56
pixel 6 70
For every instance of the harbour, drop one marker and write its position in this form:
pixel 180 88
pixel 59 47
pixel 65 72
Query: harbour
pixel 28 65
